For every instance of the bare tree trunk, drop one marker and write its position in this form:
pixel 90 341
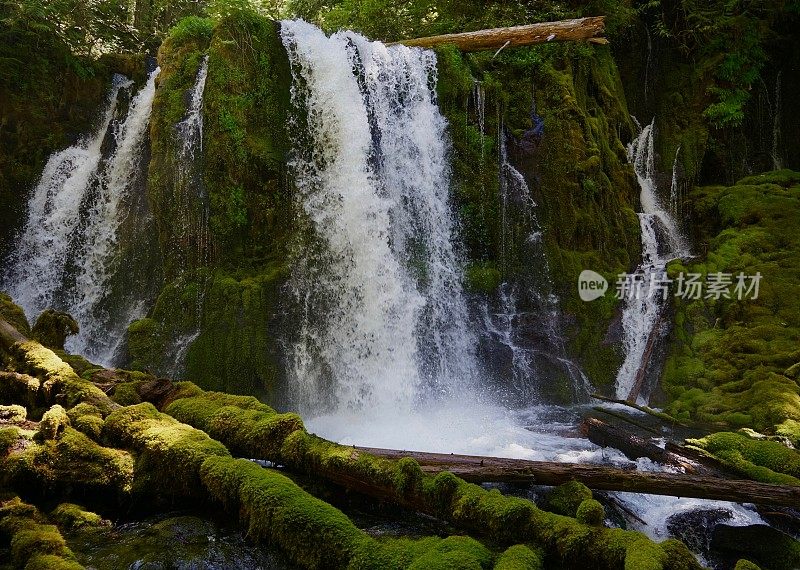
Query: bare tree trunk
pixel 587 29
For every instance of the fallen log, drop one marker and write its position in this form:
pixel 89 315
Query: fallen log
pixel 477 469
pixel 607 435
pixel 645 409
pixel 581 29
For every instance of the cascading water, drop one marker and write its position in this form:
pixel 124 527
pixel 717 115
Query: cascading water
pixel 69 252
pixel 36 271
pixel 523 324
pixel 383 353
pixel 661 241
pixel 193 244
pixel 374 183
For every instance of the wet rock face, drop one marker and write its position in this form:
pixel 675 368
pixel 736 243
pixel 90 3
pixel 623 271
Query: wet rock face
pixel 695 528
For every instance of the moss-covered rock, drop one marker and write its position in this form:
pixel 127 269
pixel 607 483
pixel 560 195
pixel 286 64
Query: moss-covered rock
pixel 591 512
pixel 70 517
pixel 757 459
pixel 35 545
pixel 14 314
pixel 53 327
pixel 566 498
pixel 563 111
pixel 728 357
pixel 13 414
pixel 519 557
pixel 73 461
pixel 53 423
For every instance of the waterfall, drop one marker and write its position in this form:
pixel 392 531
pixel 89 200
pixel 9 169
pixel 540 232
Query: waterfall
pixel 675 198
pixel 36 271
pixel 70 247
pixel 524 323
pixel 381 308
pixel 661 242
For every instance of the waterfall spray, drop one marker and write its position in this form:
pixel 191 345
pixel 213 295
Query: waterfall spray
pixel 36 271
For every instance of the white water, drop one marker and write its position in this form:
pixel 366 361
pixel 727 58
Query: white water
pixel 68 248
pixel 36 272
pixel 644 301
pixel 374 184
pixel 190 129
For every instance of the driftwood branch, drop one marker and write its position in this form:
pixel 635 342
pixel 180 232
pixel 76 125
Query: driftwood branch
pixel 581 29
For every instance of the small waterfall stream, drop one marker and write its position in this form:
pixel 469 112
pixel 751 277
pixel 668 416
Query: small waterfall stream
pixel 70 249
pixel 644 301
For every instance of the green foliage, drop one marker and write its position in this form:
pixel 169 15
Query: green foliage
pixel 192 28
pixel 567 498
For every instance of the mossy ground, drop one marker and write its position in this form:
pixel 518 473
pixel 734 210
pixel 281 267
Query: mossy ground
pixel 730 360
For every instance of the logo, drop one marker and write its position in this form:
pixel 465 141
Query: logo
pixel 591 285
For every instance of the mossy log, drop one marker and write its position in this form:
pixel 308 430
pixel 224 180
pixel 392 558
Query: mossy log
pixel 497 469
pixel 580 29
pixel 58 381
pixel 402 481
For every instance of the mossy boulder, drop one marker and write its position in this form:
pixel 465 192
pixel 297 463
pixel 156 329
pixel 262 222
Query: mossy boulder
pixel 13 414
pixel 53 327
pixel 35 545
pixel 14 314
pixel 71 517
pixel 53 423
pixel 758 459
pixel 568 497
pixel 519 557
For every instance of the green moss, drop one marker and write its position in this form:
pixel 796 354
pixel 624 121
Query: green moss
pixel 8 437
pixel 53 423
pixel 34 545
pixel 127 394
pixel 70 517
pixel 519 557
pixel 728 357
pixel 169 453
pixel 760 460
pixel 32 358
pixel 87 419
pixel 585 213
pixel 13 414
pixel 746 565
pixel 591 512
pixel 483 278
pixel 53 327
pixel 14 314
pixel 566 498
pixel 72 460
